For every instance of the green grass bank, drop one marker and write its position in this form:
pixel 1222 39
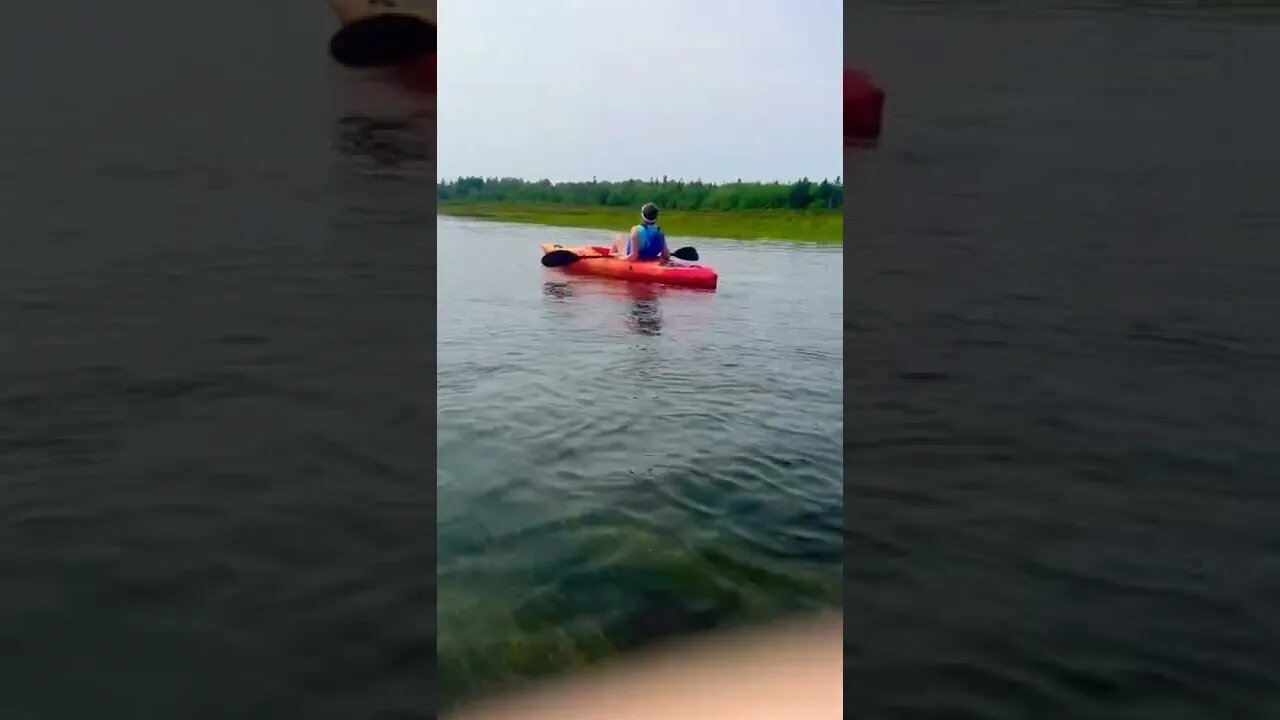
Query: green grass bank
pixel 819 226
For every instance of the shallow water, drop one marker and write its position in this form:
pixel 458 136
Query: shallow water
pixel 1065 332
pixel 619 463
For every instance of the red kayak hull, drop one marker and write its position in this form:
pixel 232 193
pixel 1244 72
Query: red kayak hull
pixel 599 261
pixel 863 106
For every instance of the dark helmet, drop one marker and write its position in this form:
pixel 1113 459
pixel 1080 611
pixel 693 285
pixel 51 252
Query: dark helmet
pixel 649 213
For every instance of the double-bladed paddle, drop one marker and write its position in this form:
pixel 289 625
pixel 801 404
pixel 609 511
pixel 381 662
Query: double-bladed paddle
pixel 394 39
pixel 561 258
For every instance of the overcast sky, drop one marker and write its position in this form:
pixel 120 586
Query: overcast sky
pixel 571 89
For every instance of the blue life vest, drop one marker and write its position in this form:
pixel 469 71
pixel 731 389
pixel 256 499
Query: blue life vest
pixel 651 240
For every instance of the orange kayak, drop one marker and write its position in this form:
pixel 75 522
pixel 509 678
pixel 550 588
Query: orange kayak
pixel 600 261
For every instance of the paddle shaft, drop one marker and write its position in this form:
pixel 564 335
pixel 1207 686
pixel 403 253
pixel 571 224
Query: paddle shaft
pixel 561 258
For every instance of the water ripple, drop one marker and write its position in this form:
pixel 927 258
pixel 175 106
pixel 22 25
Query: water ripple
pixel 1061 457
pixel 623 463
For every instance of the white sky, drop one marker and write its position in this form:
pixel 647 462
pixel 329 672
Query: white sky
pixel 710 89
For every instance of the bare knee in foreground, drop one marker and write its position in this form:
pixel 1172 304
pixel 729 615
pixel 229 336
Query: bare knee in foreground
pixel 789 672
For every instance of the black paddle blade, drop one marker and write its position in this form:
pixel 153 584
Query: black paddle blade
pixel 686 253
pixel 559 258
pixel 390 40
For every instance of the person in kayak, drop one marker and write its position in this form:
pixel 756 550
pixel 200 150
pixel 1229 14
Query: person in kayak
pixel 646 241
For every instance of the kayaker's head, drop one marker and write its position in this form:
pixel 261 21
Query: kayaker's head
pixel 649 213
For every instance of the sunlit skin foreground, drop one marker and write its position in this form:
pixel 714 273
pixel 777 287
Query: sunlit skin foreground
pixel 793 671
pixel 821 226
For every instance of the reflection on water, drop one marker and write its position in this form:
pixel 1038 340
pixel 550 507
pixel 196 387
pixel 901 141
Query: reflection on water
pixel 558 290
pixel 391 145
pixel 646 317
pixel 384 130
pixel 642 309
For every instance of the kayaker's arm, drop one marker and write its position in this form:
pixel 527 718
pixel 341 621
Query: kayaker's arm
pixel 634 255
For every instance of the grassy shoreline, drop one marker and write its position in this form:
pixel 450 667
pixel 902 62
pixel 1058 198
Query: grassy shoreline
pixel 818 226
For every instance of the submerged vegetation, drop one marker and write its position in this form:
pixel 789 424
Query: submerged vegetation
pixel 651 592
pixel 803 210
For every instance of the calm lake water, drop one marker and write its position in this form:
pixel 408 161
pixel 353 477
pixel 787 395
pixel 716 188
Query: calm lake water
pixel 214 431
pixel 1062 408
pixel 620 463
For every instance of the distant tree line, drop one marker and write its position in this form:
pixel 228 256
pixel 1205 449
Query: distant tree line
pixel 667 193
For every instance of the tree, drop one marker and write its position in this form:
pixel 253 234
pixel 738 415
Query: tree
pixel 801 193
pixel 669 193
